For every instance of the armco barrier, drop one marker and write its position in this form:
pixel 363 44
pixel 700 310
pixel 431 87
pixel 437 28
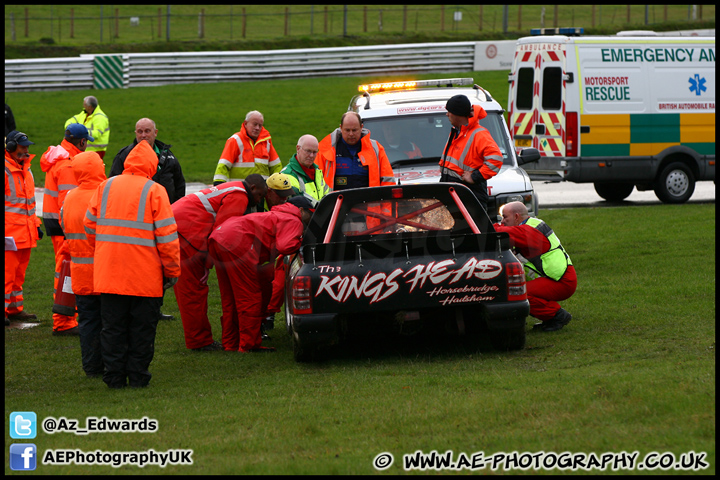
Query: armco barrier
pixel 48 74
pixel 153 69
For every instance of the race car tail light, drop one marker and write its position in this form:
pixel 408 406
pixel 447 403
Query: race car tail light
pixel 301 296
pixel 516 282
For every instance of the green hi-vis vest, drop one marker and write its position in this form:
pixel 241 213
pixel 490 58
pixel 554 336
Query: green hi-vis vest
pixel 313 190
pixel 554 262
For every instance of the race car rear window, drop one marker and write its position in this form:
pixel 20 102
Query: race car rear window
pixel 397 216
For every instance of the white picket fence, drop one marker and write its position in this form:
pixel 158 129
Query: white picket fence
pixel 153 69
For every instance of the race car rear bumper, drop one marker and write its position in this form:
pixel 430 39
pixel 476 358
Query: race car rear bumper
pixel 506 315
pixel 316 329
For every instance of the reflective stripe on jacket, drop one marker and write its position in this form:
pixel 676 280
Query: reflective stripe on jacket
pixel 98 125
pixel 130 223
pixel 372 155
pixel 555 261
pixel 90 172
pixel 21 221
pixel 199 213
pixel 473 149
pixel 242 157
pixel 59 180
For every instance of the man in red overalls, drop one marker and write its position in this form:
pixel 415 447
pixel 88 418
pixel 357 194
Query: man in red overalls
pixel 238 248
pixel 197 215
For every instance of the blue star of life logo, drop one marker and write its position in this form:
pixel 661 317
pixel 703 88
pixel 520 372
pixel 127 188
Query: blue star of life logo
pixel 697 84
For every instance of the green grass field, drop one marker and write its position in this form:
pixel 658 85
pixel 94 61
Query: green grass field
pixel 634 371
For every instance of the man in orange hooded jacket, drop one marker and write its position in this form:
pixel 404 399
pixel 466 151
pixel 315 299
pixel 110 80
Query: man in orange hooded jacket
pixel 59 180
pixel 89 173
pixel 130 224
pixel 471 156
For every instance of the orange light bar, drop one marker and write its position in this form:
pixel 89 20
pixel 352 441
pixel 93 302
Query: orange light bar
pixel 386 86
pixel 375 87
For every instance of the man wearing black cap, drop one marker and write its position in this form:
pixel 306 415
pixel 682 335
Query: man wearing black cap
pixel 22 227
pixel 59 180
pixel 471 156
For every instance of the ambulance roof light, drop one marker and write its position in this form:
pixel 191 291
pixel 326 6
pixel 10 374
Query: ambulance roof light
pixel 408 85
pixel 570 31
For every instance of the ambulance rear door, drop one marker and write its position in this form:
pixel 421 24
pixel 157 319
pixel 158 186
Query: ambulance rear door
pixel 538 101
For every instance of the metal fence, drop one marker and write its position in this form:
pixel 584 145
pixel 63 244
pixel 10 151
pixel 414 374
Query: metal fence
pixel 74 25
pixel 153 69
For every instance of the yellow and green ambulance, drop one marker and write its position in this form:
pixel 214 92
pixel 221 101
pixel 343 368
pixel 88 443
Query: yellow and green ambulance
pixel 634 110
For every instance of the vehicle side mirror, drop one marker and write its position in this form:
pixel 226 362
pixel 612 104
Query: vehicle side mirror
pixel 528 155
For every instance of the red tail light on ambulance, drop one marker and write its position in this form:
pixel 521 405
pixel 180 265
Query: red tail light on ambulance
pixel 571 139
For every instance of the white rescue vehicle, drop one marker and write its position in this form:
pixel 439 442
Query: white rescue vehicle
pixel 619 111
pixel 409 120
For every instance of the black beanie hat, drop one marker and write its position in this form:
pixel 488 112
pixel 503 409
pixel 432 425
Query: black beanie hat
pixel 459 105
pixel 301 201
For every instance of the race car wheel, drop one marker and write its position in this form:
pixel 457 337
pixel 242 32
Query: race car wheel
pixel 675 184
pixel 615 191
pixel 302 353
pixel 508 339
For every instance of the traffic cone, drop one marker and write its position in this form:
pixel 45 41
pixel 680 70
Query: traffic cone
pixel 64 298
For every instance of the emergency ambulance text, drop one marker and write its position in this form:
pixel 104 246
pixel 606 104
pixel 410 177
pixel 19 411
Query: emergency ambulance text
pixel 657 55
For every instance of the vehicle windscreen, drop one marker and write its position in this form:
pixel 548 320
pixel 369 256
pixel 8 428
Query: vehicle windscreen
pixel 421 138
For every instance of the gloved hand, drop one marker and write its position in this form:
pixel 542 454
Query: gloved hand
pixel 530 274
pixel 40 233
pixel 169 282
pixel 520 258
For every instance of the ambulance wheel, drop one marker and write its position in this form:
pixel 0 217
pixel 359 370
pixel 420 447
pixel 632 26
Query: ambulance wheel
pixel 614 192
pixel 675 184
